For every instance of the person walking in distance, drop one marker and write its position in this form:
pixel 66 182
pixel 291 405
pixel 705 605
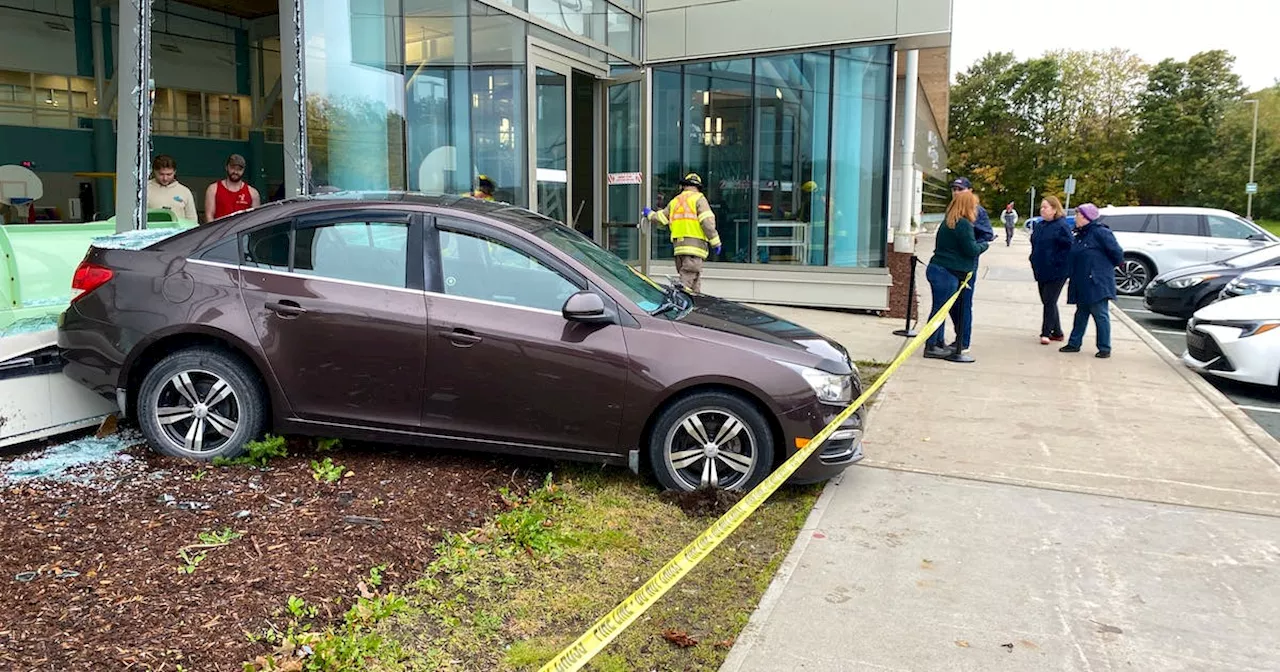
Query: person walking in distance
pixel 1095 254
pixel 955 255
pixel 1051 242
pixel 983 233
pixel 230 194
pixel 1010 219
pixel 693 230
pixel 165 192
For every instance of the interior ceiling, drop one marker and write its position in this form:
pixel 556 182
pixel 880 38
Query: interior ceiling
pixel 245 9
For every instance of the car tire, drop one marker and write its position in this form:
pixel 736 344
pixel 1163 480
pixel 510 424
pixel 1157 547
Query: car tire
pixel 201 403
pixel 711 439
pixel 1133 275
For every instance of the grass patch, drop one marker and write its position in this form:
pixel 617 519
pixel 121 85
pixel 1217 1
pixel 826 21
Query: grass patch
pixel 870 370
pixel 1271 225
pixel 508 596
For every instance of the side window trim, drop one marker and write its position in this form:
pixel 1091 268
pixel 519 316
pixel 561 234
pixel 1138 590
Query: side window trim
pixel 414 279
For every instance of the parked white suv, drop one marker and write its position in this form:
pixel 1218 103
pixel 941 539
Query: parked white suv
pixel 1160 239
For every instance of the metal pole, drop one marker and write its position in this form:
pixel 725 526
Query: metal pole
pixel 1032 207
pixel 903 241
pixel 1253 156
pixel 133 130
pixel 1068 206
pixel 294 84
pixel 907 331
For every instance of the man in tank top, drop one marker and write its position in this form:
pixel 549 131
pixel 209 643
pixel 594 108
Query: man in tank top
pixel 230 194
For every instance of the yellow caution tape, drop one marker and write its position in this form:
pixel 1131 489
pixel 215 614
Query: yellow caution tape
pixel 612 624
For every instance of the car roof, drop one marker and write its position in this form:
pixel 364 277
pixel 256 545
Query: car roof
pixel 506 213
pixel 1164 210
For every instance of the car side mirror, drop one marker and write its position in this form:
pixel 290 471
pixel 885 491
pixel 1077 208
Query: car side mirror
pixel 586 307
pixel 1258 238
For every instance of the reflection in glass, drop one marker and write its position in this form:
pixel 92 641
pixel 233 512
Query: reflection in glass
pixel 580 17
pixel 717 146
pixel 551 103
pixel 497 116
pixel 355 92
pixel 437 97
pixel 859 176
pixel 624 32
pixel 668 148
pixel 624 156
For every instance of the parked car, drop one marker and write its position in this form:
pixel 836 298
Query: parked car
pixel 1181 293
pixel 448 323
pixel 1237 339
pixel 1030 224
pixel 1261 281
pixel 1157 240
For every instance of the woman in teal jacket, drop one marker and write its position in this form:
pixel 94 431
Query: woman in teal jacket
pixel 955 256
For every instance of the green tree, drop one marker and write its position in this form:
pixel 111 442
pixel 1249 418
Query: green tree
pixel 1222 179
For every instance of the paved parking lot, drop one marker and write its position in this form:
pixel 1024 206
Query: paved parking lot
pixel 1260 403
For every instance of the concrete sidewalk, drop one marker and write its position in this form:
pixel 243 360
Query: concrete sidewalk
pixel 1034 511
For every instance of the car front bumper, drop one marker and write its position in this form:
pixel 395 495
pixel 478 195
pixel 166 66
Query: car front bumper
pixel 1219 351
pixel 1180 303
pixel 842 449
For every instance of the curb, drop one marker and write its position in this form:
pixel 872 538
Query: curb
pixel 1259 436
pixel 750 635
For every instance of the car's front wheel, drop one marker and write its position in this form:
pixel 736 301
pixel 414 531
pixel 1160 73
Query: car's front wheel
pixel 1133 275
pixel 711 440
pixel 201 403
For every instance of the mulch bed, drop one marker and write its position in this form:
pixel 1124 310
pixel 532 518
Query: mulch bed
pixel 89 570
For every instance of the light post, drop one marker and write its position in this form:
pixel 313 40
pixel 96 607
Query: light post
pixel 1253 156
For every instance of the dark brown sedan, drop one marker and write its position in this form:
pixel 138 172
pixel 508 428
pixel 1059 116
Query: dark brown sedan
pixel 448 323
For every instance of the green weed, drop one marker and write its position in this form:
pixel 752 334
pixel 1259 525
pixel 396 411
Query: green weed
pixel 257 453
pixel 326 471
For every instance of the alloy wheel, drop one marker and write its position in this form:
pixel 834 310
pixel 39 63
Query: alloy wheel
pixel 198 411
pixel 711 448
pixel 1131 277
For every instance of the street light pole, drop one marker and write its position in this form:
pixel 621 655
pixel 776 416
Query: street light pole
pixel 1253 156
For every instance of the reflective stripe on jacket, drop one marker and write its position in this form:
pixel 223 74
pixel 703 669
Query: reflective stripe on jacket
pixel 687 233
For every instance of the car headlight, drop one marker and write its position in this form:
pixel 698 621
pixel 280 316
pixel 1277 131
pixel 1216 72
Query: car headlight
pixel 1251 328
pixel 1190 281
pixel 830 387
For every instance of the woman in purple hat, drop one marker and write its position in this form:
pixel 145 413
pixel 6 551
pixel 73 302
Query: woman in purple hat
pixel 1093 260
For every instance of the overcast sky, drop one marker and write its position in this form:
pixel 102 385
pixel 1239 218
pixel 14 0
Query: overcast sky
pixel 1153 29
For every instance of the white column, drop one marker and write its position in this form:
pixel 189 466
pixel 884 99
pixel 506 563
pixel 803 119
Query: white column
pixel 293 81
pixel 133 125
pixel 903 241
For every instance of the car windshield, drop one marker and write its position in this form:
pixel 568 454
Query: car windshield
pixel 1257 257
pixel 644 292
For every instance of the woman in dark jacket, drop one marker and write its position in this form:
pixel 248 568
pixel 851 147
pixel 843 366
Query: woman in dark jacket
pixel 1051 242
pixel 1093 260
pixel 955 256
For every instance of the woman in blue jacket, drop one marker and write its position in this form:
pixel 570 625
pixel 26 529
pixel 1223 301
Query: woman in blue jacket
pixel 1093 260
pixel 1051 243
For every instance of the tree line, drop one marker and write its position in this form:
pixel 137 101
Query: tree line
pixel 1131 133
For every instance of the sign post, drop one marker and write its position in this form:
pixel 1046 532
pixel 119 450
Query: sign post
pixel 1069 188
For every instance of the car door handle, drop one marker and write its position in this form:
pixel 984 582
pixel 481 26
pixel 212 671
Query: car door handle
pixel 1223 247
pixel 462 338
pixel 285 308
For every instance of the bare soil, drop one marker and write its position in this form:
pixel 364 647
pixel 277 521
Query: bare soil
pixel 91 570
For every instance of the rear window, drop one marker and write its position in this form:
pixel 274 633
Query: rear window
pixel 1126 223
pixel 1179 225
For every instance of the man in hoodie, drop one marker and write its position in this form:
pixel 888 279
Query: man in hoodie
pixel 165 192
pixel 1010 220
pixel 983 232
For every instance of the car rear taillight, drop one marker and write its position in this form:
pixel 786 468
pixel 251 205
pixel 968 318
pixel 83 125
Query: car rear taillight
pixel 88 277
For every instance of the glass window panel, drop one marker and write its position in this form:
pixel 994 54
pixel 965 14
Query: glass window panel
pixel 268 247
pixel 478 268
pixel 1179 225
pixel 560 40
pixel 624 156
pixel 497 38
pixel 668 144
pixel 793 100
pixel 498 127
pixel 355 93
pixel 551 105
pixel 1128 223
pixel 860 157
pixel 435 33
pixel 1223 227
pixel 623 32
pixel 632 4
pixel 438 116
pixel 580 17
pixel 370 252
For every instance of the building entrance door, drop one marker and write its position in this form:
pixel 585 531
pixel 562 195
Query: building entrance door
pixel 550 111
pixel 626 178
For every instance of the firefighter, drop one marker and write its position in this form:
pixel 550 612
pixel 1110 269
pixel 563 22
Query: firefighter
pixel 693 230
pixel 484 188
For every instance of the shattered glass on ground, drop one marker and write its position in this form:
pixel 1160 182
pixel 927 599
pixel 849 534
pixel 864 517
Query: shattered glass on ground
pixel 30 325
pixel 81 460
pixel 134 240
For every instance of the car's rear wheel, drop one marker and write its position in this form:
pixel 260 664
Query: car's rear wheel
pixel 1133 276
pixel 201 403
pixel 711 440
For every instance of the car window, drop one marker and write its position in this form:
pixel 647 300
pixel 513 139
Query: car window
pixel 371 252
pixel 1179 225
pixel 267 247
pixel 479 268
pixel 1126 223
pixel 1225 227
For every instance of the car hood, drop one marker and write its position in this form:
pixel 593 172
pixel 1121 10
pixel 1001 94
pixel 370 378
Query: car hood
pixel 729 317
pixel 1198 269
pixel 1248 307
pixel 1269 276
